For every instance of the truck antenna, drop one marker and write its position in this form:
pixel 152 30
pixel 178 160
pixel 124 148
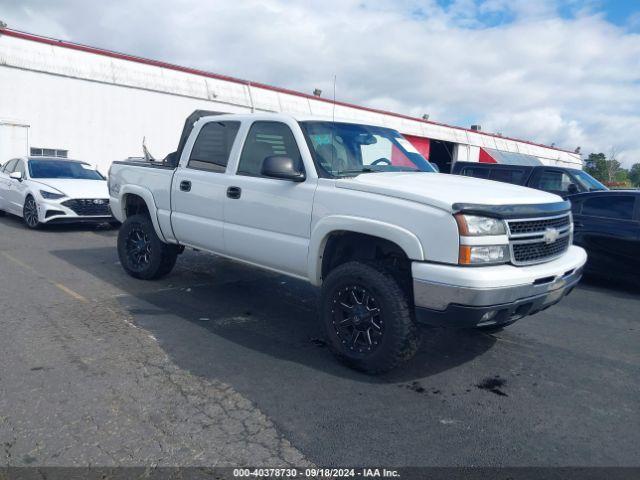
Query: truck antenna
pixel 333 122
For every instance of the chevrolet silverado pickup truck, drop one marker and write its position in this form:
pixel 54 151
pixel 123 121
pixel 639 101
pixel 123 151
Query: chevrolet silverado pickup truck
pixel 356 211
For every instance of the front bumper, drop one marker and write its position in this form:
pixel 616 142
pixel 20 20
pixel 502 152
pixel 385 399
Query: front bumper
pixel 53 211
pixel 492 295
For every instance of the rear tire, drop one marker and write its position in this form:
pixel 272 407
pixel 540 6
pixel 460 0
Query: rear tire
pixel 142 254
pixel 30 213
pixel 367 318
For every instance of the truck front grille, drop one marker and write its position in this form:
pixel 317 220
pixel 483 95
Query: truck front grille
pixel 520 227
pixel 89 207
pixel 539 251
pixel 539 240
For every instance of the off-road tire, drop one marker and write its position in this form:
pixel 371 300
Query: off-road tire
pixel 160 257
pixel 400 336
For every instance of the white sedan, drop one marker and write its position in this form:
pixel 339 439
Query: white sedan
pixel 45 190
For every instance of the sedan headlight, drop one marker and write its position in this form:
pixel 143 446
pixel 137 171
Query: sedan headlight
pixel 473 225
pixel 51 195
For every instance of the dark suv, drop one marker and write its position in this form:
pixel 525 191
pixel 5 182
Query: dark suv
pixel 559 180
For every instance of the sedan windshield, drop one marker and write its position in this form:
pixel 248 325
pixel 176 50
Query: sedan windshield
pixel 588 182
pixel 345 149
pixel 62 169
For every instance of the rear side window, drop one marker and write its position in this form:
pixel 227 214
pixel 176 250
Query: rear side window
pixel 475 172
pixel 213 146
pixel 506 175
pixel 266 139
pixel 618 207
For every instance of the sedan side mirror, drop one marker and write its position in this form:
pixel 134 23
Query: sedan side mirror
pixel 16 176
pixel 277 166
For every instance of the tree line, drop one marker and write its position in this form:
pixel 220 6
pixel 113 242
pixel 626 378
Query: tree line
pixel 609 171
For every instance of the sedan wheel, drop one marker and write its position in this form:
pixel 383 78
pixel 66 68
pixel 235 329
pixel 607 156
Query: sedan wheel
pixel 30 213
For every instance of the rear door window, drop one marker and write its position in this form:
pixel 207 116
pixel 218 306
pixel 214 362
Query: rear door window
pixel 213 146
pixel 475 172
pixel 619 207
pixel 508 175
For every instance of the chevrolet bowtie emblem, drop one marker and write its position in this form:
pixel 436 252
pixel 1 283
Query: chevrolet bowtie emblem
pixel 550 235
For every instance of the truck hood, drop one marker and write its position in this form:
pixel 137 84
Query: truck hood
pixel 73 188
pixel 443 190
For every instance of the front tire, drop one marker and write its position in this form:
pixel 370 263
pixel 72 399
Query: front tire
pixel 30 213
pixel 142 254
pixel 367 318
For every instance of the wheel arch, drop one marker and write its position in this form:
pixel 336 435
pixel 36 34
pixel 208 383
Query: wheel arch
pixel 137 200
pixel 330 228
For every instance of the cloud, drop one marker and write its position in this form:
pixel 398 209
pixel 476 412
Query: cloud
pixel 545 71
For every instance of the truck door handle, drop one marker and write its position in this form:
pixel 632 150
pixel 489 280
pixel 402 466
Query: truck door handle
pixel 234 192
pixel 185 185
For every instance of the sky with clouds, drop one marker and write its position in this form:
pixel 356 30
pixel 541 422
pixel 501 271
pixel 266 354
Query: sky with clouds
pixel 551 71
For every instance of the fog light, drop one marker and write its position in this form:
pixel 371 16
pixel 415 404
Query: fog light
pixel 488 315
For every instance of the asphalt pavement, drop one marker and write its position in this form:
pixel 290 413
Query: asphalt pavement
pixel 224 364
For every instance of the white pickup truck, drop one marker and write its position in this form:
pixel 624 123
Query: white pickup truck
pixel 357 211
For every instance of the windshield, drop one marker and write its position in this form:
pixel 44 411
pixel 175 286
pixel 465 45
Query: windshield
pixel 588 182
pixel 345 149
pixel 62 169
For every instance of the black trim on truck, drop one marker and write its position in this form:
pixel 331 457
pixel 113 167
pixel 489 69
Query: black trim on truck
pixel 513 211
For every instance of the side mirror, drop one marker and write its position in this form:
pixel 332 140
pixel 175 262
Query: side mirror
pixel 16 176
pixel 572 188
pixel 277 166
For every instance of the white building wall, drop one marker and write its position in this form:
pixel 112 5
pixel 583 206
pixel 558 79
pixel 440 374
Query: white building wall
pixel 14 139
pixel 99 108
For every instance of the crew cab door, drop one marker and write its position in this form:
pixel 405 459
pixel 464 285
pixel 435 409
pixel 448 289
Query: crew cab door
pixel 268 220
pixel 199 186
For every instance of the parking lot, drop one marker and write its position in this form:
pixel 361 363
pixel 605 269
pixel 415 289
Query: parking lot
pixel 223 364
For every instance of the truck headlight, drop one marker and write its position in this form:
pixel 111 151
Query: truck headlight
pixel 474 226
pixel 483 254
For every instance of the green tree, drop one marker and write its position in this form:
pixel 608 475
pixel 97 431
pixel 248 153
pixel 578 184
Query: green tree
pixel 634 175
pixel 607 170
pixel 596 166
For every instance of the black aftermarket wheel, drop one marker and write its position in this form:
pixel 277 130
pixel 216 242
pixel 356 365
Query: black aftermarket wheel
pixel 142 254
pixel 367 318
